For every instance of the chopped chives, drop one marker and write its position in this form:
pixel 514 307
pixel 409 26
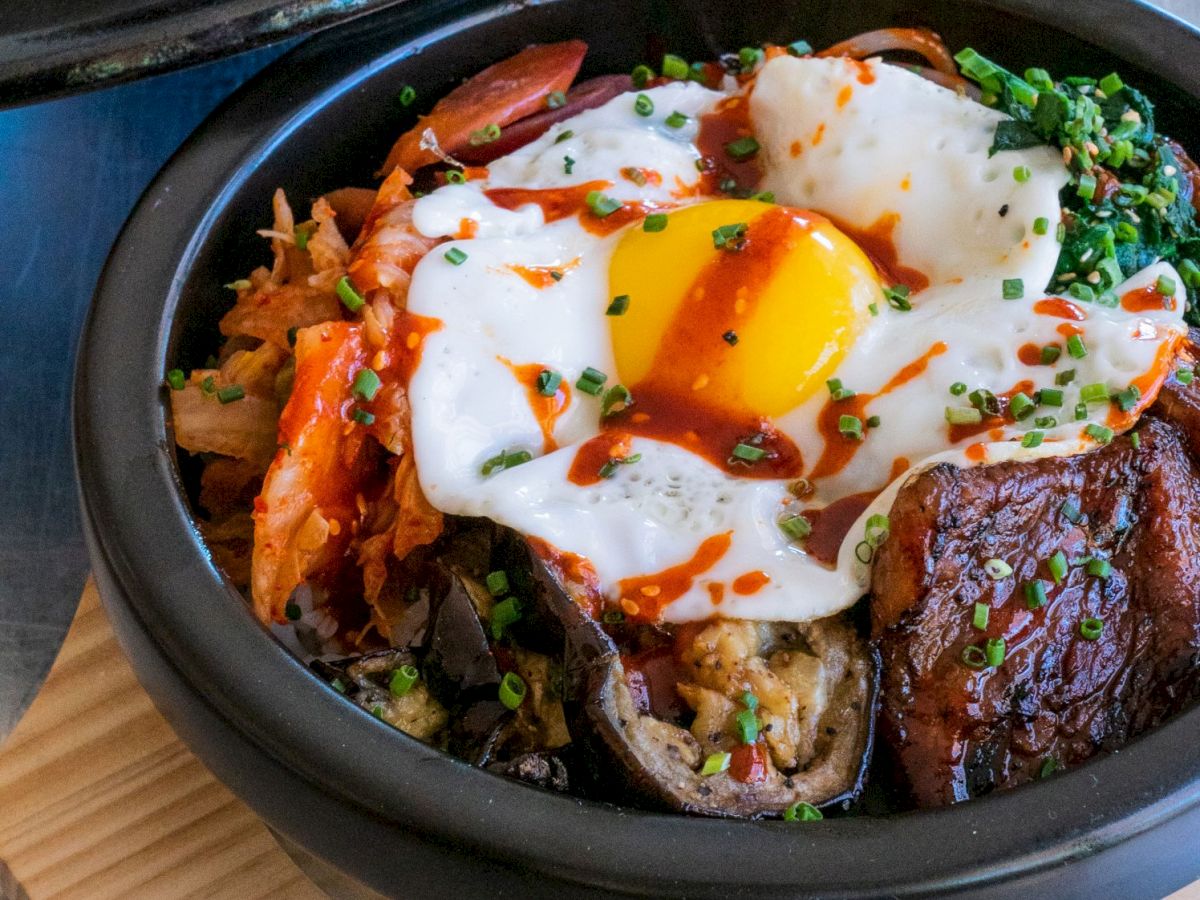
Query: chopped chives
pixel 1057 564
pixel 897 297
pixel 1111 83
pixel 742 149
pixel 1184 376
pixel 600 205
pixel 1100 568
pixel 1093 393
pixel 958 389
pixel 591 381
pixel 176 379
pixel 1021 174
pixel 488 134
pixel 506 612
pixel 1065 377
pixel 747 726
pixel 655 222
pixel 641 75
pixel 1076 348
pixel 749 57
pixel 408 94
pixel 455 176
pixel 338 685
pixel 984 401
pixel 619 305
pixel 1127 399
pixel 963 415
pixel 1081 411
pixel 1165 285
pixel 1045 422
pixel 548 381
pixel 1048 768
pixel 1021 405
pixel 873 421
pixel 564 136
pixel 1041 225
pixel 497 582
pixel 1090 629
pixel 994 651
pixel 877 529
pixel 676 120
pixel 231 393
pixel 1100 433
pixel 1035 594
pixel 1013 288
pixel 350 298
pixel 980 619
pixel 715 763
pixel 850 427
pixel 362 417
pixel 556 100
pixel 1081 291
pixel 455 256
pixel 802 811
pixel 997 569
pixel 836 391
pixel 505 460
pixel 615 399
pixel 729 237
pixel 402 680
pixel 973 657
pixel 366 384
pixel 512 690
pixel 1032 439
pixel 1087 187
pixel 1050 397
pixel 748 453
pixel 795 527
pixel 302 233
pixel 1135 440
pixel 568 165
pixel 873 308
pixel 643 105
pixel 209 385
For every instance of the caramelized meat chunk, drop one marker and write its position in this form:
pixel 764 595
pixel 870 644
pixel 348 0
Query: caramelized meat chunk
pixel 1061 693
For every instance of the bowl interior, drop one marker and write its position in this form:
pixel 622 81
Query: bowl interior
pixel 324 118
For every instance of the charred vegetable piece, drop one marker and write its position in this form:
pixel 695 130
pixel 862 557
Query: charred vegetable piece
pixel 367 680
pixel 546 770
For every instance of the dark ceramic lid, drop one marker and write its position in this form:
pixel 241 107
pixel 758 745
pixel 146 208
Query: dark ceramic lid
pixel 55 47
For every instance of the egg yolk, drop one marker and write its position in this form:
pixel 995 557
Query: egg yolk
pixel 754 325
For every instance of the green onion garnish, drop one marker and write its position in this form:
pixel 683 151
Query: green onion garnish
pixel 488 134
pixel 958 389
pixel 897 297
pixel 1045 422
pixel 655 222
pixel 729 237
pixel 643 105
pixel 1127 399
pixel 556 100
pixel 1135 440
pixel 748 453
pixel 176 379
pixel 980 619
pixel 402 680
pixel 548 381
pixel 1021 174
pixel 963 415
pixel 209 385
pixel 973 656
pixel 1076 347
pixel 1100 568
pixel 505 460
pixel 997 569
pixel 676 120
pixel 801 811
pixel 1081 411
pixel 1087 187
pixel 994 651
pixel 984 401
pixel 362 417
pixel 1065 377
pixel 873 421
pixel 641 75
pixel 302 233
pixel 795 527
pixel 1090 629
pixel 850 427
pixel 749 57
pixel 1013 288
pixel 497 582
pixel 1048 768
pixel 747 726
pixel 742 149
pixel 504 613
pixel 1032 439
pixel 1165 285
pixel 1041 225
pixel 609 469
pixel 1100 433
pixel 408 94
pixel 600 205
pixel 366 384
pixel 715 763
pixel 350 298
pixel 1112 83
pixel 1184 376
pixel 1021 405
pixel 512 690
pixel 338 685
pixel 878 528
pixel 1081 291
pixel 1035 594
pixel 564 136
pixel 836 391
pixel 591 381
pixel 231 393
pixel 615 399
pixel 1093 393
pixel 455 256
pixel 619 305
pixel 749 700
pixel 1057 564
pixel 674 67
pixel 568 165
pixel 1050 397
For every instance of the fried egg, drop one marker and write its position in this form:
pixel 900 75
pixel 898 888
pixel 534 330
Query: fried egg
pixel 700 401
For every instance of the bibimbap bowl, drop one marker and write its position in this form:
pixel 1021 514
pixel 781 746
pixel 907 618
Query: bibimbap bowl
pixel 397 814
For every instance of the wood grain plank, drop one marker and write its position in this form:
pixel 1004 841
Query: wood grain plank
pixel 100 800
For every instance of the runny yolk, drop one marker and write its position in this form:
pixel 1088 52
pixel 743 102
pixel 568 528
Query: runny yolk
pixel 717 342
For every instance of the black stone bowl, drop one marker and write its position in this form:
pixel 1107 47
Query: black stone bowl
pixel 401 816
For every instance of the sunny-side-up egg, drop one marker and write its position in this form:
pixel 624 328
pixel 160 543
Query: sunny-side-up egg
pixel 648 377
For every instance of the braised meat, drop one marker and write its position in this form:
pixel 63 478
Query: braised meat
pixel 1111 650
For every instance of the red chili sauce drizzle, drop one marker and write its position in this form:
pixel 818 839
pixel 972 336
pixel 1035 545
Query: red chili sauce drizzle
pixel 542 277
pixel 1030 354
pixel 728 122
pixel 962 432
pixel 1060 308
pixel 644 597
pixel 594 454
pixel 668 406
pixel 546 410
pixel 839 449
pixel 406 341
pixel 559 203
pixel 750 583
pixel 832 523
pixel 876 241
pixel 1147 299
pixel 573 570
pixel 1148 383
pixel 748 763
